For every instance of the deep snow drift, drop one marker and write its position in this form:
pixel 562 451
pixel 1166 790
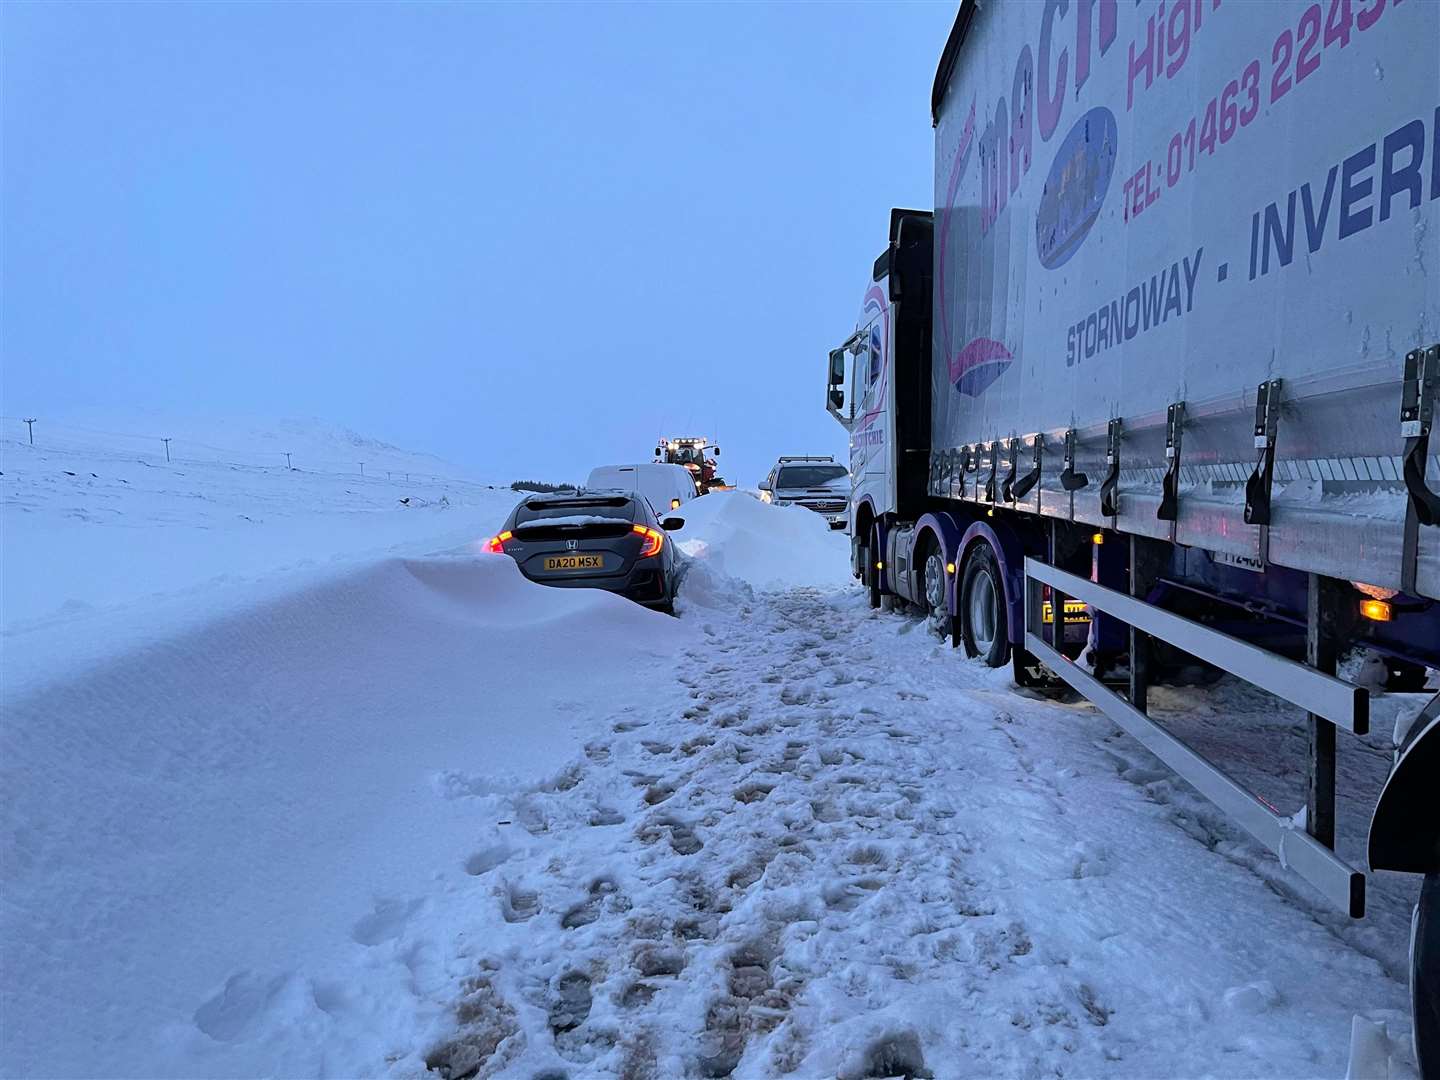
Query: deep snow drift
pixel 736 536
pixel 250 850
pixel 418 812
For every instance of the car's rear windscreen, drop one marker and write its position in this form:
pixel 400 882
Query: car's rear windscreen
pixel 795 476
pixel 617 508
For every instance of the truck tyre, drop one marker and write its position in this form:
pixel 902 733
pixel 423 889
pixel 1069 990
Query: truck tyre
pixel 1425 977
pixel 936 605
pixel 869 577
pixel 875 556
pixel 984 628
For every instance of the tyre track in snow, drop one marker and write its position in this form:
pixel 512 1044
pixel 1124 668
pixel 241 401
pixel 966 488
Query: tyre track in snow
pixel 845 853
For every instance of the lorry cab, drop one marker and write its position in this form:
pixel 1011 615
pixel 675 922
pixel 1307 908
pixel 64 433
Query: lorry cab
pixel 879 383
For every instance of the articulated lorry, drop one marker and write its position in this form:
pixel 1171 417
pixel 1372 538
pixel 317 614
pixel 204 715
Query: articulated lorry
pixel 1155 380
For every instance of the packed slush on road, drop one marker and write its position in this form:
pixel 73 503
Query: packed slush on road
pixel 1058 695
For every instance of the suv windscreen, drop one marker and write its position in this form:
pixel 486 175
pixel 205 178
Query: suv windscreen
pixel 618 508
pixel 798 476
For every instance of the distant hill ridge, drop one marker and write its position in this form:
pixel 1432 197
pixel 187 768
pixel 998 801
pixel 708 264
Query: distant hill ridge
pixel 312 443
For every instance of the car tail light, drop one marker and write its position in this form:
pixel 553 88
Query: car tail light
pixel 496 544
pixel 654 540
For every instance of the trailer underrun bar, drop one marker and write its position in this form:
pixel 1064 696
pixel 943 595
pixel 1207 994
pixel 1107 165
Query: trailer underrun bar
pixel 1322 695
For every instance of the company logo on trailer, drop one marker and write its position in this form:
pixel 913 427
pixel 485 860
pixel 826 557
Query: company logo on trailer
pixel 982 360
pixel 979 364
pixel 1076 187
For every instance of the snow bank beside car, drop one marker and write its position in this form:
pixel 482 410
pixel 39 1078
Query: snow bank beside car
pixel 734 535
pixel 249 847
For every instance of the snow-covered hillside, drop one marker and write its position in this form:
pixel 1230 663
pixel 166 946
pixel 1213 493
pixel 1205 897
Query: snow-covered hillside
pixel 389 813
pixel 94 518
pixel 312 445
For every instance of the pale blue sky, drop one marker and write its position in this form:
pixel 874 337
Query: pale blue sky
pixel 527 237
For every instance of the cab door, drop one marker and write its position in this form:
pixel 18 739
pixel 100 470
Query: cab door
pixel 870 430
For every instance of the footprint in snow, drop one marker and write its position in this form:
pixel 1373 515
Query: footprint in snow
pixel 588 910
pixel 518 904
pixel 486 859
pixel 751 793
pixel 656 961
pixel 570 1002
pixel 386 922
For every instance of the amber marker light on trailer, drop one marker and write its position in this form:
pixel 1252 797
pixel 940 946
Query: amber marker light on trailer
pixel 1098 538
pixel 1375 610
pixel 496 545
pixel 654 540
pixel 949 568
pixel 674 504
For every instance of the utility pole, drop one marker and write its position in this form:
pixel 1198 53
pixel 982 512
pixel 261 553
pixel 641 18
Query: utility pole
pixel 287 459
pixel 167 449
pixel 30 425
pixel 362 468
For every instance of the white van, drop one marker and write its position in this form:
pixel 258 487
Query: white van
pixel 666 486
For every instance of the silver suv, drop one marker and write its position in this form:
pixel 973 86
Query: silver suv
pixel 816 483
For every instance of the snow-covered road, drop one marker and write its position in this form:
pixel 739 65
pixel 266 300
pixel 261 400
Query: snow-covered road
pixel 421 815
pixel 849 853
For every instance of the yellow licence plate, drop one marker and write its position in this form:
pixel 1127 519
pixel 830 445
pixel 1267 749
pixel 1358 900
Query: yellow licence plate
pixel 574 562
pixel 1075 612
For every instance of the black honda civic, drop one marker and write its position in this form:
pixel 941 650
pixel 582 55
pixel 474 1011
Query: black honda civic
pixel 594 540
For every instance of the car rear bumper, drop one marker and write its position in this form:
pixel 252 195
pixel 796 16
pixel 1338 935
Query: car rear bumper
pixel 645 582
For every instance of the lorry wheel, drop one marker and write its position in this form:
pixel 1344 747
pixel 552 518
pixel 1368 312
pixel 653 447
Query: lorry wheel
pixel 935 604
pixel 984 629
pixel 1425 977
pixel 869 577
pixel 875 550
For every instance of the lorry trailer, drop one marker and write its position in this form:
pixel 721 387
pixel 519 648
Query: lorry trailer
pixel 1155 379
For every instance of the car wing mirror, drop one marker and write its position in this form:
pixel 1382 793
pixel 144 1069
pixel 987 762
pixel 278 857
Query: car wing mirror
pixel 673 524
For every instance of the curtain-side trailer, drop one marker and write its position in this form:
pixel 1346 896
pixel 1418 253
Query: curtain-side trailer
pixel 1157 376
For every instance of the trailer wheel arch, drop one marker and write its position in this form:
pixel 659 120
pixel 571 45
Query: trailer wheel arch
pixel 1010 555
pixel 1400 839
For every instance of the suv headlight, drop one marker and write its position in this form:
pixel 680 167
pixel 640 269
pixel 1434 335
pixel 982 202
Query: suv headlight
pixel 765 496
